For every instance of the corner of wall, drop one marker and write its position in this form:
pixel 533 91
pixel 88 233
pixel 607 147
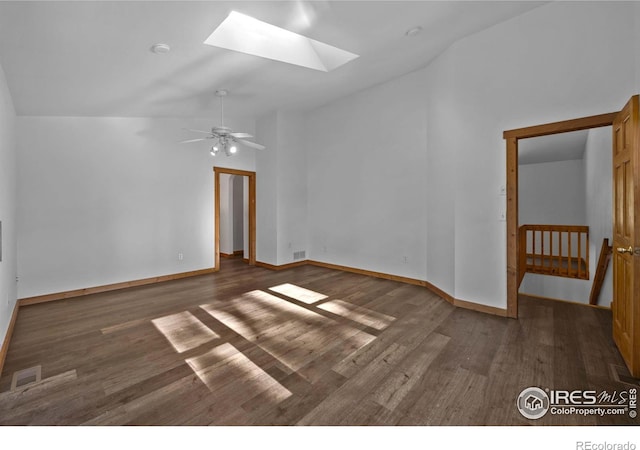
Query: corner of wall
pixel 8 214
pixel 267 188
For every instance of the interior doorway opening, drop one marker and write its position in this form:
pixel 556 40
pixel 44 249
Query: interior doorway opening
pixel 513 138
pixel 235 215
pixel 565 216
pixel 625 248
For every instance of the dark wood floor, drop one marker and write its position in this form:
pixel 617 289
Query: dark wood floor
pixel 308 346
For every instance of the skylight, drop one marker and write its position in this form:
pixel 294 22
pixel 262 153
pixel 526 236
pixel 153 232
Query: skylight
pixel 242 33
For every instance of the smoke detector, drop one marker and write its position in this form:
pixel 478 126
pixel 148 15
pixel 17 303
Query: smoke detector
pixel 160 48
pixel 411 32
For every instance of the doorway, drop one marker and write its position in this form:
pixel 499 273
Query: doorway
pixel 236 178
pixel 234 212
pixel 565 216
pixel 626 227
pixel 512 137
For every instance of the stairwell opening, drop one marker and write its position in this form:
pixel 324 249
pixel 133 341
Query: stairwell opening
pixel 564 214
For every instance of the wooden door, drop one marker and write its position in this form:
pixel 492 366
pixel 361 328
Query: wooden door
pixel 626 235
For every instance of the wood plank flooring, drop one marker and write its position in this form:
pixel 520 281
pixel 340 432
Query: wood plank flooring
pixel 304 346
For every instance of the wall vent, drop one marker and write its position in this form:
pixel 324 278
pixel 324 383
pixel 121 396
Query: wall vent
pixel 302 254
pixel 26 376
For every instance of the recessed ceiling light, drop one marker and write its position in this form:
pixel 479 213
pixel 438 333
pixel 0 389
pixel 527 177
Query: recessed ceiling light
pixel 411 32
pixel 160 48
pixel 245 34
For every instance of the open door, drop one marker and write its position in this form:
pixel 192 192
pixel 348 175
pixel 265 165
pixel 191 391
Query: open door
pixel 626 235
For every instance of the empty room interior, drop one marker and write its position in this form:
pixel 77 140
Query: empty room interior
pixel 319 212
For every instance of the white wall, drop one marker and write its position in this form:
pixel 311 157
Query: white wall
pixel 226 213
pixel 552 63
pixel 106 200
pixel 238 213
pixel 231 213
pixel 414 166
pixel 367 163
pixel 599 210
pixel 441 178
pixel 8 265
pixel 292 186
pixel 267 189
pixel 569 289
pixel 281 198
pixel 552 193
pixel 245 217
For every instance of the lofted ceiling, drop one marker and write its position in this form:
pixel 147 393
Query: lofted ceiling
pixel 93 58
pixel 553 148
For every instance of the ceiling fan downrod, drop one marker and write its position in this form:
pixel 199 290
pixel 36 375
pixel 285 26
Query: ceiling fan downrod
pixel 222 93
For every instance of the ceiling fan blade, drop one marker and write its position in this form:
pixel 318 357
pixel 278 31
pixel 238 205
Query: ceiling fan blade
pixel 197 131
pixel 241 135
pixel 251 144
pixel 194 140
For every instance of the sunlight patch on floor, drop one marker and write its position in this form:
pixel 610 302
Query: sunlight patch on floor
pixel 290 333
pixel 299 293
pixel 225 368
pixel 184 331
pixel 256 313
pixel 359 314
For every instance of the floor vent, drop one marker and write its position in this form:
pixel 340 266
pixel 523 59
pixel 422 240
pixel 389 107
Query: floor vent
pixel 621 375
pixel 26 376
pixel 302 254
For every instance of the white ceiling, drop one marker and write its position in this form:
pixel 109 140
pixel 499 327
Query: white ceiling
pixel 93 58
pixel 552 148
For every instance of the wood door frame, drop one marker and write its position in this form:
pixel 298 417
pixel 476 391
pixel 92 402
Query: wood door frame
pixel 252 212
pixel 512 137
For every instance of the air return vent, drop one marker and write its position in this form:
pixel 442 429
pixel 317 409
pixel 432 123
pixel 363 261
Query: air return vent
pixel 302 254
pixel 26 376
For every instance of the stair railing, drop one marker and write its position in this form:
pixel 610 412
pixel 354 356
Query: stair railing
pixel 560 250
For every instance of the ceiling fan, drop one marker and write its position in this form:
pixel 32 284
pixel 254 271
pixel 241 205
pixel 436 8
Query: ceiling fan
pixel 224 138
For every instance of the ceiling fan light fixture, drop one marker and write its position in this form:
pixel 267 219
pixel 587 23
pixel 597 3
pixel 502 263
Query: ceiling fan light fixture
pixel 224 138
pixel 214 149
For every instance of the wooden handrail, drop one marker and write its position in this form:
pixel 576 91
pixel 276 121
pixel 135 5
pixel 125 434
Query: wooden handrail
pixel 561 250
pixel 563 228
pixel 601 271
